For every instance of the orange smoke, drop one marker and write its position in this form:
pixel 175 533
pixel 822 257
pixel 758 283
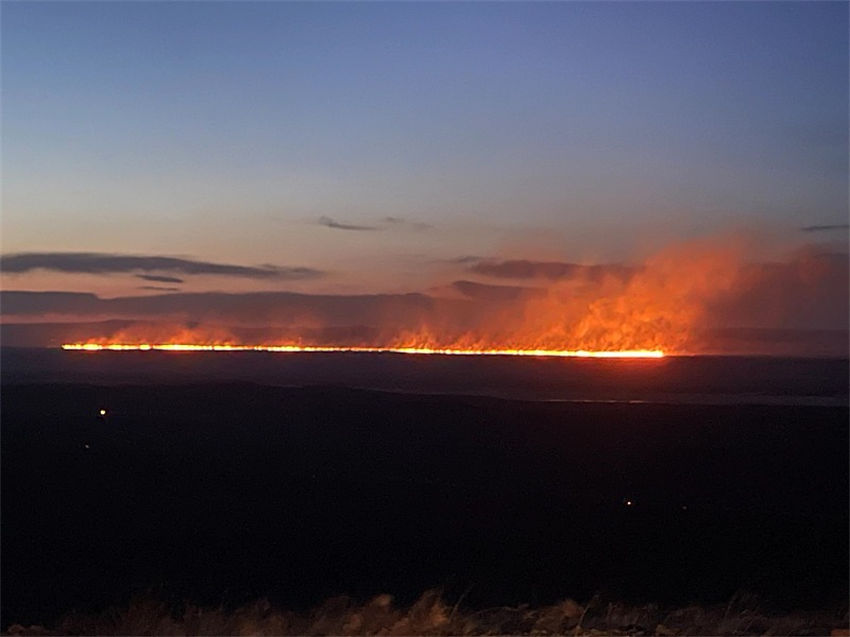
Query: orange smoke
pixel 656 308
pixel 662 306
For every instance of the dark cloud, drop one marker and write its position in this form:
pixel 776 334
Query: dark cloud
pixel 383 224
pixel 487 292
pixel 330 223
pixel 158 287
pixel 551 270
pixel 401 222
pixel 38 303
pixel 101 263
pixel 156 278
pixel 837 226
pixel 466 260
pixel 253 308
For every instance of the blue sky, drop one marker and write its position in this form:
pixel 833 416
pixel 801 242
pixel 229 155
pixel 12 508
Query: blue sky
pixel 225 131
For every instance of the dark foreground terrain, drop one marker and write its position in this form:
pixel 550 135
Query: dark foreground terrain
pixel 227 493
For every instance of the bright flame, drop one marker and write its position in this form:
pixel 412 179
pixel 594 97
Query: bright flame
pixel 188 347
pixel 641 312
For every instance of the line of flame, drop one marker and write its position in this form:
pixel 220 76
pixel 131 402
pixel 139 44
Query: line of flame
pixel 185 347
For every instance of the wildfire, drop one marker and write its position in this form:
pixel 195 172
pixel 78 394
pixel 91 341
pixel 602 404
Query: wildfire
pixel 226 347
pixel 642 312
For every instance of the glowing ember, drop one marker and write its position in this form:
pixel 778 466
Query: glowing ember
pixel 187 347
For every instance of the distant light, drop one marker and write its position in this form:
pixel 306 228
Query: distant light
pixel 684 507
pixel 629 503
pixel 102 412
pixel 86 446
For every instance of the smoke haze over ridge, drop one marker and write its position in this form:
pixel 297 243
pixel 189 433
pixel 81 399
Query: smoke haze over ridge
pixel 669 301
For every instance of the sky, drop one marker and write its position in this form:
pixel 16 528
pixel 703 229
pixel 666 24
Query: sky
pixel 382 147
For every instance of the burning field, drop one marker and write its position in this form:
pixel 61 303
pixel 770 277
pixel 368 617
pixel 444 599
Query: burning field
pixel 701 297
pixel 189 347
pixel 425 318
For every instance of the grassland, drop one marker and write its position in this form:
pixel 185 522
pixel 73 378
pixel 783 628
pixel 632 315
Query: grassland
pixel 432 614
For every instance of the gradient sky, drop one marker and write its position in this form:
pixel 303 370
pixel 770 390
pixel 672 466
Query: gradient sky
pixel 379 140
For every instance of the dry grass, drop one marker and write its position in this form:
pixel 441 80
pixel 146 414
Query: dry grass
pixel 431 615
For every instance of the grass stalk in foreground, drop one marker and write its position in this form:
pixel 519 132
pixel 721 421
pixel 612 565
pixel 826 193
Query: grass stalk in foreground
pixel 431 615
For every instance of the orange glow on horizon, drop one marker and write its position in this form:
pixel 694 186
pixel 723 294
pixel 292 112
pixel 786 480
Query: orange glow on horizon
pixel 226 347
pixel 660 307
pixel 646 311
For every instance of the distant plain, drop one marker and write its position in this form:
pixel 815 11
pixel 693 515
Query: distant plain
pixel 223 478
